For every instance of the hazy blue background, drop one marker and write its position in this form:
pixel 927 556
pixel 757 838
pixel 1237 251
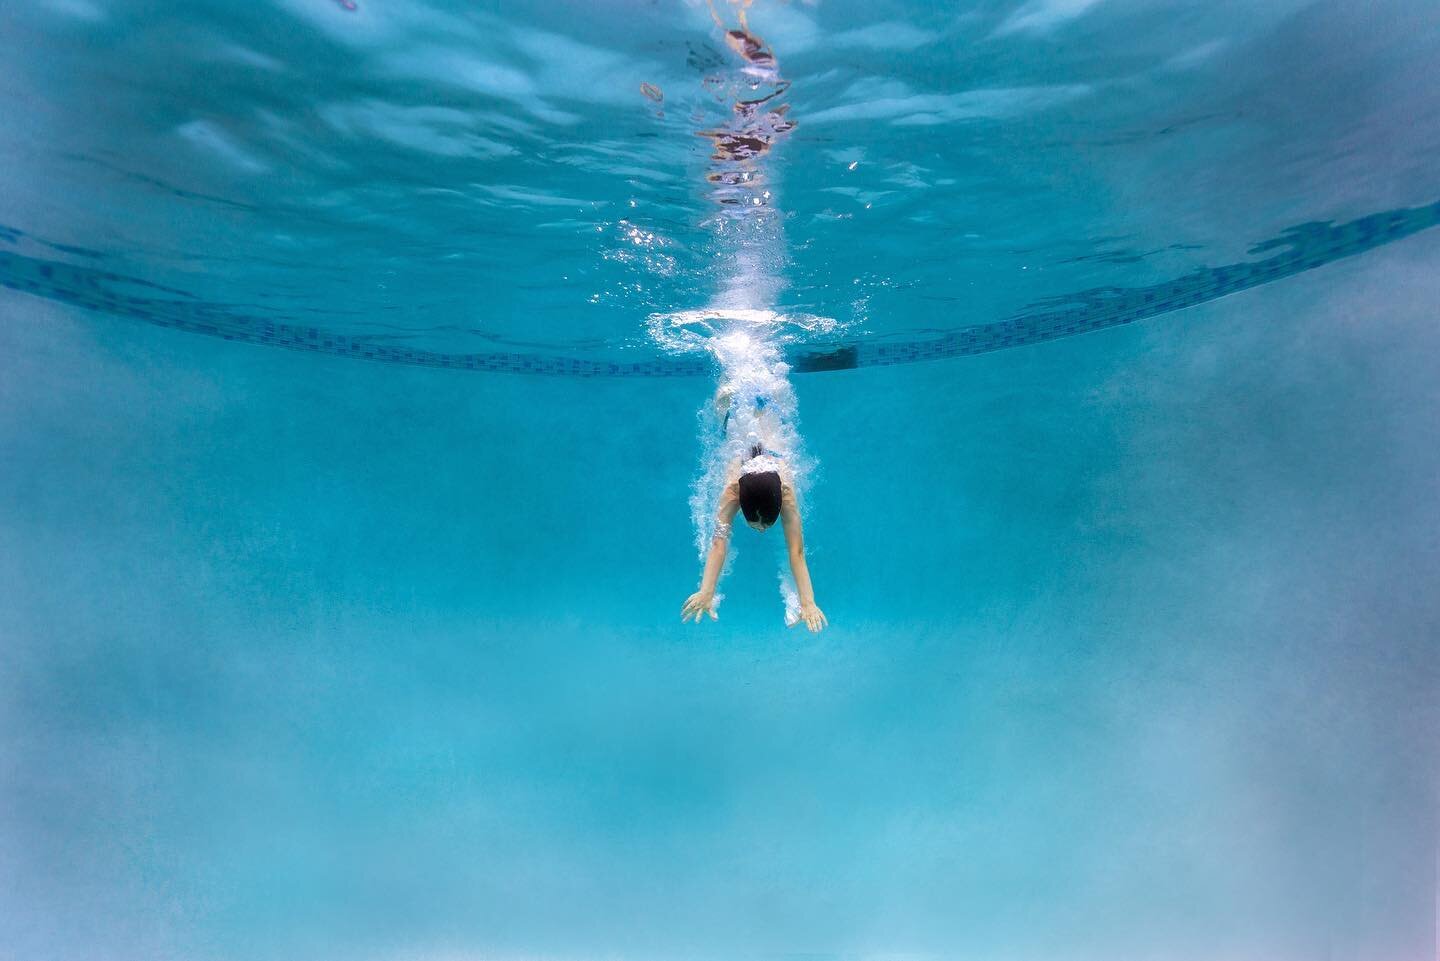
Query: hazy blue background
pixel 1133 653
pixel 1134 636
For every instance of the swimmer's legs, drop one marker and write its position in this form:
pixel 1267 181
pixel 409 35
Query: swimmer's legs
pixel 723 397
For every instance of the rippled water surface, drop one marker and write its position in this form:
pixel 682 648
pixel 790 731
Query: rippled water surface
pixel 463 177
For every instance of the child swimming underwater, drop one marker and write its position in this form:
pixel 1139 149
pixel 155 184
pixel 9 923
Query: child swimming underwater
pixel 759 484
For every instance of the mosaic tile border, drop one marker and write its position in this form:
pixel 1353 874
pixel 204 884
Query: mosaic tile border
pixel 1297 250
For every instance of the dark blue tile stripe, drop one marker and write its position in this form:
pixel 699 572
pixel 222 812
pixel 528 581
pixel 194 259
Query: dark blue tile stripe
pixel 1298 249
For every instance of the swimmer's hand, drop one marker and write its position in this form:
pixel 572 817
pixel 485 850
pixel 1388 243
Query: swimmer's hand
pixel 698 605
pixel 813 617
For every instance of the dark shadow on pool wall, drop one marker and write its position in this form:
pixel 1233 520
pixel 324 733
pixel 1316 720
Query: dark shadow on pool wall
pixel 1298 249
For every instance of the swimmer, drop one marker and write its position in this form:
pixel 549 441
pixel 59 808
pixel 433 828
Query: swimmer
pixel 758 486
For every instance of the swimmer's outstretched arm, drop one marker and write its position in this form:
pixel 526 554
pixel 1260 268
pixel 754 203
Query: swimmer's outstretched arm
pixel 810 612
pixel 700 603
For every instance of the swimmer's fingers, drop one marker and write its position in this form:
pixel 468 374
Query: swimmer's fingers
pixel 696 606
pixel 813 617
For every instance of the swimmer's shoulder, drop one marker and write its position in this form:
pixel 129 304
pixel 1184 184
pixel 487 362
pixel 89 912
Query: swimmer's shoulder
pixel 729 504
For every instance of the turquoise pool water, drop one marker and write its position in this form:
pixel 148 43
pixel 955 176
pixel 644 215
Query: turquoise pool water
pixel 356 362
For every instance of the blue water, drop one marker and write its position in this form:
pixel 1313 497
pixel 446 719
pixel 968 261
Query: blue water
pixel 355 369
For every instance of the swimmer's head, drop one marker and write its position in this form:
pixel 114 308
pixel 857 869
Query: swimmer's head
pixel 760 498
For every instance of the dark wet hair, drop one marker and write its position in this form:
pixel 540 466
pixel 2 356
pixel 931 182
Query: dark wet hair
pixel 760 496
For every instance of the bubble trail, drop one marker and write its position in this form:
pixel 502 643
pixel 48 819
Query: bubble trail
pixel 750 424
